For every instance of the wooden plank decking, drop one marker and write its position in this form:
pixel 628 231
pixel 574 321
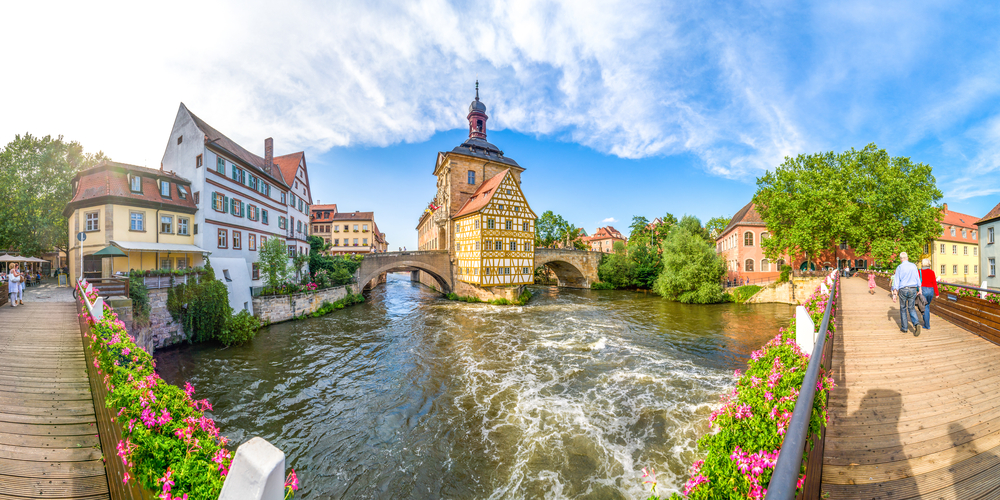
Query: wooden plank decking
pixel 911 417
pixel 49 446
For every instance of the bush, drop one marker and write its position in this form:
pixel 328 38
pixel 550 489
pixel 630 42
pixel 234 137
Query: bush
pixel 600 285
pixel 692 271
pixel 616 270
pixel 240 329
pixel 202 308
pixel 523 298
pixel 139 294
pixel 349 300
pixel 786 273
pixel 452 296
pixel 745 292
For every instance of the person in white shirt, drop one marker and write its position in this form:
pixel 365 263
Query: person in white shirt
pixel 14 285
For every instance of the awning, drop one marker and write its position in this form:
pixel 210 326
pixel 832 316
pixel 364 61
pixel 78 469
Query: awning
pixel 142 246
pixel 111 251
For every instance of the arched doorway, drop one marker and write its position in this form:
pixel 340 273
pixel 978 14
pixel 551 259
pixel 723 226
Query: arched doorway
pixel 807 266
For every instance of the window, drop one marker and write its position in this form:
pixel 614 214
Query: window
pixel 355 242
pixel 942 249
pixel 137 221
pixel 954 249
pixel 302 205
pixel 218 202
pixel 263 216
pixel 525 270
pixel 954 269
pixel 748 239
pixel 458 227
pixel 524 227
pixel 299 227
pixel 765 266
pixel 252 242
pixel 963 233
pixel 843 244
pixel 953 231
pixel 517 209
pixel 477 245
pixel 336 242
pixel 182 226
pixel 508 225
pixel 253 182
pixel 498 245
pixel 181 192
pixel 475 224
pixel 282 222
pixel 220 166
pixel 513 245
pixel 748 265
pixel 472 176
pixel 180 139
pixel 486 271
pixel 489 223
pixel 993 266
pixel 135 183
pixel 197 197
pixel 165 264
pixel 196 228
pixel 223 239
pixel 235 207
pixel 92 221
pixel 975 250
pixel 197 161
pixel 167 224
pixel 364 242
pixel 282 197
pixel 989 235
pixel 237 240
pixel 255 273
pixel 975 269
pixel 182 263
pixel 765 235
pixel 364 227
pixel 973 234
pixel 965 269
pixel 965 249
pixel 165 189
pixel 355 228
pixel 263 240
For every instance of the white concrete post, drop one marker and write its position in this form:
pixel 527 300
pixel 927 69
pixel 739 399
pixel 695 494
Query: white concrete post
pixel 257 473
pixel 805 330
pixel 97 310
pixel 823 288
pixel 982 295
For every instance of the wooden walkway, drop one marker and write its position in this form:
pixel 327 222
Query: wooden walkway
pixel 912 417
pixel 48 433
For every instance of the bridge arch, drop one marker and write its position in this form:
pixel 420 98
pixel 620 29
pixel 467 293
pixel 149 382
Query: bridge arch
pixel 435 263
pixel 573 268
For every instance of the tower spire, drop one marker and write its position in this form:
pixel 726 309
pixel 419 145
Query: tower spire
pixel 477 117
pixel 477 89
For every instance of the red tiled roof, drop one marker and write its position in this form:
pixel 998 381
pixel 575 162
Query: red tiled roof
pixel 317 212
pixel 288 165
pixel 214 136
pixel 747 216
pixel 354 216
pixel 993 214
pixel 483 195
pixel 110 179
pixel 603 233
pixel 959 221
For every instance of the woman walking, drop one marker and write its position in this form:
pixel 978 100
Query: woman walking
pixel 871 283
pixel 13 285
pixel 928 287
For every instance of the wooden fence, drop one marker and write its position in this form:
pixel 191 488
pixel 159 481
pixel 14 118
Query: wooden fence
pixel 110 287
pixel 169 281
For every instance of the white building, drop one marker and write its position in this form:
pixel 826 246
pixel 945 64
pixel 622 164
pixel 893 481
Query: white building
pixel 242 200
pixel 293 170
pixel 989 233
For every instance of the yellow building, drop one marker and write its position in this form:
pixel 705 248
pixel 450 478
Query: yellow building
pixel 494 234
pixel 147 213
pixel 955 254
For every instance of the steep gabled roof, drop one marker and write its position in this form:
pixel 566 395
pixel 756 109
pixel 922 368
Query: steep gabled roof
pixel 483 195
pixel 992 215
pixel 108 182
pixel 604 233
pixel 747 216
pixel 213 136
pixel 288 165
pixel 354 216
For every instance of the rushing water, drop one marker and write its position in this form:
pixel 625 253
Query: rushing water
pixel 413 396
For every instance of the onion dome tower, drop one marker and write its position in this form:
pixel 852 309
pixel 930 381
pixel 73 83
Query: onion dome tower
pixel 477 117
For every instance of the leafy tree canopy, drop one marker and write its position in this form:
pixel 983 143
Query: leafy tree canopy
pixel 551 228
pixel 692 271
pixel 878 204
pixel 693 225
pixel 716 225
pixel 36 176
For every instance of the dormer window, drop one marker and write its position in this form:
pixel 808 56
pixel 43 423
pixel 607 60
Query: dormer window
pixel 135 183
pixel 181 192
pixel 165 189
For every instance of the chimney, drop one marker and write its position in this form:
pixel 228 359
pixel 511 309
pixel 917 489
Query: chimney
pixel 946 209
pixel 268 153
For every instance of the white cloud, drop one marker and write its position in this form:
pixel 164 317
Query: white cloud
pixel 609 220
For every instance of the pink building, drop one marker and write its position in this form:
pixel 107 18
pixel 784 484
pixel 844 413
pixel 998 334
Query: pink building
pixel 603 239
pixel 739 245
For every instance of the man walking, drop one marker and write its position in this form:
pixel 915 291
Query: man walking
pixel 908 284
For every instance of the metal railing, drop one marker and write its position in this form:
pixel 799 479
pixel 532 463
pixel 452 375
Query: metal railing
pixel 967 287
pixel 732 283
pixel 784 480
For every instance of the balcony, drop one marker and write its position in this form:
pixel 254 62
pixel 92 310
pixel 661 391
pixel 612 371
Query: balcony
pixel 299 235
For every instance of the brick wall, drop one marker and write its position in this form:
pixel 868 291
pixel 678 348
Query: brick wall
pixel 278 308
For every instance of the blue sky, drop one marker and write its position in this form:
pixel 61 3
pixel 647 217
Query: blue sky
pixel 615 108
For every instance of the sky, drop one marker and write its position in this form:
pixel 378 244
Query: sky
pixel 615 108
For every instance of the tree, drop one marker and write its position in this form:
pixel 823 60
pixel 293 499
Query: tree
pixel 273 262
pixel 647 266
pixel 327 270
pixel 716 225
pixel 551 228
pixel 617 270
pixel 638 232
pixel 35 185
pixel 693 225
pixel 877 203
pixel 692 271
pixel 660 231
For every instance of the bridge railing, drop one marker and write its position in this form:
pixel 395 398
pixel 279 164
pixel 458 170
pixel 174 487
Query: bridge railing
pixel 784 480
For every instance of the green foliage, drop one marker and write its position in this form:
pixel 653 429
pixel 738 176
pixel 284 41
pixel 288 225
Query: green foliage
pixel 500 302
pixel 349 300
pixel 693 225
pixel 163 427
pixel 203 308
pixel 618 248
pixel 36 176
pixel 239 329
pixel 523 298
pixel 617 270
pixel 638 233
pixel 786 273
pixel 744 293
pixel 878 204
pixel 551 229
pixel 330 271
pixel 139 294
pixel 692 271
pixel 600 285
pixel 452 296
pixel 716 225
pixel 273 262
pixel 647 266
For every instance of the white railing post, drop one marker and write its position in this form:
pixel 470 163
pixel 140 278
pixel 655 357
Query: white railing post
pixel 805 330
pixel 257 473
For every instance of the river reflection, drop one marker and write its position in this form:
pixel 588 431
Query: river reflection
pixel 413 396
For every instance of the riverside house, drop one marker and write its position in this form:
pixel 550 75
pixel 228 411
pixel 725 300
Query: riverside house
pixel 989 227
pixel 955 254
pixel 242 200
pixel 149 214
pixel 603 239
pixel 347 232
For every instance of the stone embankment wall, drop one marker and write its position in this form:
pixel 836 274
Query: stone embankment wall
pixel 278 308
pixel 162 330
pixel 464 289
pixel 794 292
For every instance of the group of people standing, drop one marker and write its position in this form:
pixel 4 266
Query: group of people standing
pixel 15 285
pixel 907 284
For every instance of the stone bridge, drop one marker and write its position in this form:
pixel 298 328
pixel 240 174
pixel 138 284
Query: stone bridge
pixel 573 268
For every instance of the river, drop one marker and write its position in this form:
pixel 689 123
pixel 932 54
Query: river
pixel 410 395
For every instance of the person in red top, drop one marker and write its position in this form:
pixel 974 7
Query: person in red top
pixel 928 287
